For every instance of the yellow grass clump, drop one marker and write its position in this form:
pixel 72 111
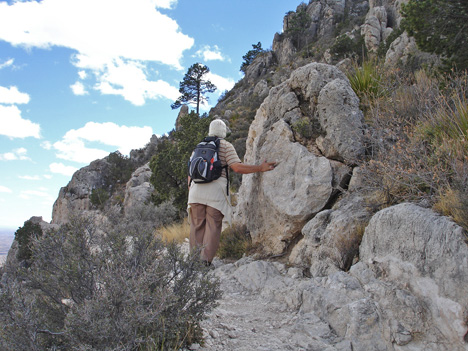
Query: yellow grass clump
pixel 177 232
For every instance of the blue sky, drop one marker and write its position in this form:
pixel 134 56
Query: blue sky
pixel 82 78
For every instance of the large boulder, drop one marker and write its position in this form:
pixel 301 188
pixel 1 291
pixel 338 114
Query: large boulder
pixel 425 254
pixel 276 205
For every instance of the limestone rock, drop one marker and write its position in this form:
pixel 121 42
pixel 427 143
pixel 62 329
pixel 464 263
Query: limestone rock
pixel 74 198
pixel 426 254
pixel 259 66
pixel 284 49
pixel 331 239
pixel 184 110
pixel 341 119
pixel 266 307
pixel 374 27
pixel 276 205
pixel 261 89
pixel 400 50
pixel 138 189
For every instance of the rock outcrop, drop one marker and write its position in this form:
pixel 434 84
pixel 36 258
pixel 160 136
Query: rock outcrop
pixel 401 49
pixel 408 292
pixel 374 29
pixel 331 239
pixel 74 198
pixel 426 255
pixel 138 189
pixel 276 205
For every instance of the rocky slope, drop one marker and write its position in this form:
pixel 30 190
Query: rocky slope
pixel 329 274
pixel 406 293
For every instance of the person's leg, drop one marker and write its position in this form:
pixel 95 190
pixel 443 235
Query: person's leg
pixel 197 225
pixel 214 223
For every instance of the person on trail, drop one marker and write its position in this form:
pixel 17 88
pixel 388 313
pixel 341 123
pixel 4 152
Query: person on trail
pixel 208 203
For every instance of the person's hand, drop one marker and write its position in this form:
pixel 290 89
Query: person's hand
pixel 267 166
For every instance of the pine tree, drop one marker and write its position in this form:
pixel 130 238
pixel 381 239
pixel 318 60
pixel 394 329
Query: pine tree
pixel 251 55
pixel 194 87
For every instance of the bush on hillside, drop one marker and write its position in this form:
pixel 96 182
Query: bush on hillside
pixel 439 26
pixel 121 289
pixel 99 197
pixel 25 236
pixel 121 168
pixel 345 46
pixel 169 164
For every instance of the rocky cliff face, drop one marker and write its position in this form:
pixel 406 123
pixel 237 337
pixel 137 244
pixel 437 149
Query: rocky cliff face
pixel 75 197
pixel 318 101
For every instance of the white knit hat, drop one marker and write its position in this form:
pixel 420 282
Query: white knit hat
pixel 217 128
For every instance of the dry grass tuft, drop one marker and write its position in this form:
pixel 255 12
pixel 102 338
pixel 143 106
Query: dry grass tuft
pixel 177 232
pixel 235 242
pixel 347 246
pixel 454 204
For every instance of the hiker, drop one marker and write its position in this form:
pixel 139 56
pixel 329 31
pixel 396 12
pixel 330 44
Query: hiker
pixel 209 203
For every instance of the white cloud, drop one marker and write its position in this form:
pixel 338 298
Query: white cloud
pixel 36 177
pixel 114 30
pixel 165 4
pixel 78 89
pixel 221 83
pixel 17 154
pixel 128 78
pixel 46 145
pixel 73 148
pixel 7 63
pixel 82 74
pixel 14 126
pixel 28 194
pixel 209 53
pixel 4 189
pixel 60 168
pixel 12 96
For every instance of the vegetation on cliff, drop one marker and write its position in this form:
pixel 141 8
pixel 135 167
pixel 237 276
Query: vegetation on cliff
pixel 118 289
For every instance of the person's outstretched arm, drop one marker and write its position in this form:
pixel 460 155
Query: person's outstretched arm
pixel 246 169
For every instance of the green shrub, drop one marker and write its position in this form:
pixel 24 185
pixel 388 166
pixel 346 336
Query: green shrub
pixel 121 168
pixel 345 46
pixel 120 289
pixel 366 80
pixel 25 236
pixel 99 197
pixel 235 242
pixel 304 127
pixel 169 164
